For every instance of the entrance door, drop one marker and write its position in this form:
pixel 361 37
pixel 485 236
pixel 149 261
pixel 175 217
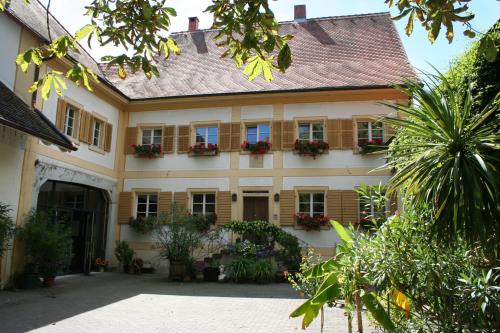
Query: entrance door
pixel 256 208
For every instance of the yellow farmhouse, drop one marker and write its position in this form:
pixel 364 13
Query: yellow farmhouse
pixel 200 135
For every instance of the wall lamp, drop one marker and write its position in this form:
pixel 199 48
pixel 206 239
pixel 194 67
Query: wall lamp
pixel 234 197
pixel 276 197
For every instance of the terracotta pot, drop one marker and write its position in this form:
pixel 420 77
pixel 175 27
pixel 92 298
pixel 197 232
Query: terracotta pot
pixel 48 281
pixel 177 270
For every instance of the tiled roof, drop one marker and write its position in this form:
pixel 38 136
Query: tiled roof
pixel 342 52
pixel 16 114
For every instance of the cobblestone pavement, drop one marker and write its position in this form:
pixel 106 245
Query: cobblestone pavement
pixel 109 302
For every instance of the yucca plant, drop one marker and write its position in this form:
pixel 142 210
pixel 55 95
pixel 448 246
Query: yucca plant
pixel 447 156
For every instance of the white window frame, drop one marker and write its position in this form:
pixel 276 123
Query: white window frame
pixel 372 212
pixel 205 136
pixel 370 129
pixel 74 125
pixel 204 203
pixel 258 131
pixel 147 212
pixel 152 135
pixel 101 130
pixel 311 132
pixel 311 203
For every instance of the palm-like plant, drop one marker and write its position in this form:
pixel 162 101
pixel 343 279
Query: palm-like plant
pixel 447 157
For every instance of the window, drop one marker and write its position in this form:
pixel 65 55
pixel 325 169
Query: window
pixel 312 204
pixel 147 205
pixel 259 132
pixel 203 203
pixel 369 210
pixel 207 135
pixel 370 131
pixel 311 132
pixel 152 136
pixel 97 132
pixel 71 121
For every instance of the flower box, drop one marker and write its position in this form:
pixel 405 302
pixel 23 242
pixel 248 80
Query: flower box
pixel 258 148
pixel 200 149
pixel 311 223
pixel 371 146
pixel 311 148
pixel 147 151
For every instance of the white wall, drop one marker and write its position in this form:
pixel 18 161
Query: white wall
pixel 177 184
pixel 318 239
pixel 334 110
pixel 333 159
pixel 333 182
pixel 91 103
pixel 257 112
pixel 178 162
pixel 10 33
pixel 180 117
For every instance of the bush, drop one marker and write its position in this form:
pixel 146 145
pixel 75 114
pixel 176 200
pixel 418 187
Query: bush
pixel 242 270
pixel 6 227
pixel 124 254
pixel 263 271
pixel 143 225
pixel 48 243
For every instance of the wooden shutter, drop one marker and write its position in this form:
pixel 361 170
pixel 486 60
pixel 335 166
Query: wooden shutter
pixel 334 133
pixel 276 139
pixel 183 139
pixel 287 134
pixel 86 122
pixel 131 134
pixel 393 203
pixel 236 137
pixel 347 134
pixel 389 132
pixel 181 200
pixel 108 137
pixel 334 205
pixel 287 208
pixel 124 207
pixel 61 113
pixel 225 137
pixel 168 139
pixel 350 206
pixel 223 207
pixel 164 203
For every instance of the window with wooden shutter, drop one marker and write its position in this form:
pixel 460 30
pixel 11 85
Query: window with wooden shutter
pixel 334 205
pixel 164 203
pixel 183 139
pixel 276 135
pixel 131 134
pixel 287 208
pixel 181 200
pixel 334 133
pixel 223 207
pixel 225 137
pixel 350 205
pixel 124 207
pixel 389 132
pixel 168 139
pixel 61 111
pixel 108 137
pixel 236 136
pixel 347 134
pixel 288 135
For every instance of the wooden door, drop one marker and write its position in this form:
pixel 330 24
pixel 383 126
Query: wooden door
pixel 256 208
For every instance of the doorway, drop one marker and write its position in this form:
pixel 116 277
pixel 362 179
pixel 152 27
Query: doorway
pixel 84 211
pixel 256 209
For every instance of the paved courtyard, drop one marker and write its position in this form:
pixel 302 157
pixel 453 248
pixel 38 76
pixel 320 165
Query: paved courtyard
pixel 110 302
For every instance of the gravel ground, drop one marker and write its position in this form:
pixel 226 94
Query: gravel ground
pixel 109 302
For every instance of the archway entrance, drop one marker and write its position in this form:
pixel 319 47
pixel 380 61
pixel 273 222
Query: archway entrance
pixel 84 209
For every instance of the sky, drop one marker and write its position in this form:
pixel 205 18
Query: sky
pixel 420 51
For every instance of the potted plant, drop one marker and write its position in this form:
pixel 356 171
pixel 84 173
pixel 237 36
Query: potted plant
pixel 147 150
pixel 311 222
pixel 212 271
pixel 48 245
pixel 101 264
pixel 124 254
pixel 258 148
pixel 6 227
pixel 263 271
pixel 143 225
pixel 199 267
pixel 370 146
pixel 311 148
pixel 200 149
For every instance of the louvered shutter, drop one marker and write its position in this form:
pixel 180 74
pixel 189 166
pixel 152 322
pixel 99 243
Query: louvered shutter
pixel 223 207
pixel 60 115
pixel 347 134
pixel 124 207
pixel 334 133
pixel 181 200
pixel 350 207
pixel 287 208
pixel 164 203
pixel 168 139
pixel 183 139
pixel 287 134
pixel 236 137
pixel 108 137
pixel 225 137
pixel 276 139
pixel 334 205
pixel 131 136
pixel 389 132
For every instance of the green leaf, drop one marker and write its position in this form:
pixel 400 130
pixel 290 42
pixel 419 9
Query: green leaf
pixel 488 48
pixel 377 310
pixel 409 25
pixel 172 45
pixel 301 310
pixel 284 58
pixel 341 231
pixel 84 31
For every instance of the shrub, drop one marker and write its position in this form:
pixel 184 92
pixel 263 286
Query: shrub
pixel 6 227
pixel 263 271
pixel 143 225
pixel 124 254
pixel 242 270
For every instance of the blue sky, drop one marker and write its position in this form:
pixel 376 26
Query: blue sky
pixel 418 48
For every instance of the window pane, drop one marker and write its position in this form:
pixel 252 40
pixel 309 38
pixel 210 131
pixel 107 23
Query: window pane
pixel 377 125
pixel 305 208
pixel 142 199
pixel 318 197
pixel 210 198
pixel 153 198
pixel 304 132
pixel 212 139
pixel 318 127
pixel 200 135
pixel 377 134
pixel 210 208
pixel 304 197
pixel 318 135
pixel 363 125
pixel 197 198
pixel 141 208
pixel 146 137
pixel 319 208
pixel 213 131
pixel 252 138
pixel 197 208
pixel 264 132
pixel 158 132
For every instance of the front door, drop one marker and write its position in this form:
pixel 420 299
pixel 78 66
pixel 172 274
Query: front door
pixel 256 209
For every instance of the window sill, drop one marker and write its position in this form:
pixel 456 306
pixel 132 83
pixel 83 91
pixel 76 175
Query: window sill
pixel 246 152
pixel 205 154
pixel 97 149
pixel 323 228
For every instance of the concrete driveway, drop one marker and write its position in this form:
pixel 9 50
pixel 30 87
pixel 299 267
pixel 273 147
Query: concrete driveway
pixel 111 302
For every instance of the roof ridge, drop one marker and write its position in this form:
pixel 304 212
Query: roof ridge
pixel 321 18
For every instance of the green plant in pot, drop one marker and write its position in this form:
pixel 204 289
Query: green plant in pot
pixel 263 271
pixel 6 227
pixel 211 273
pixel 48 245
pixel 124 254
pixel 242 270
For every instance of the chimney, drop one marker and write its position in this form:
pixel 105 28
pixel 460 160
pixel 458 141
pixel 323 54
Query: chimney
pixel 193 23
pixel 300 13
